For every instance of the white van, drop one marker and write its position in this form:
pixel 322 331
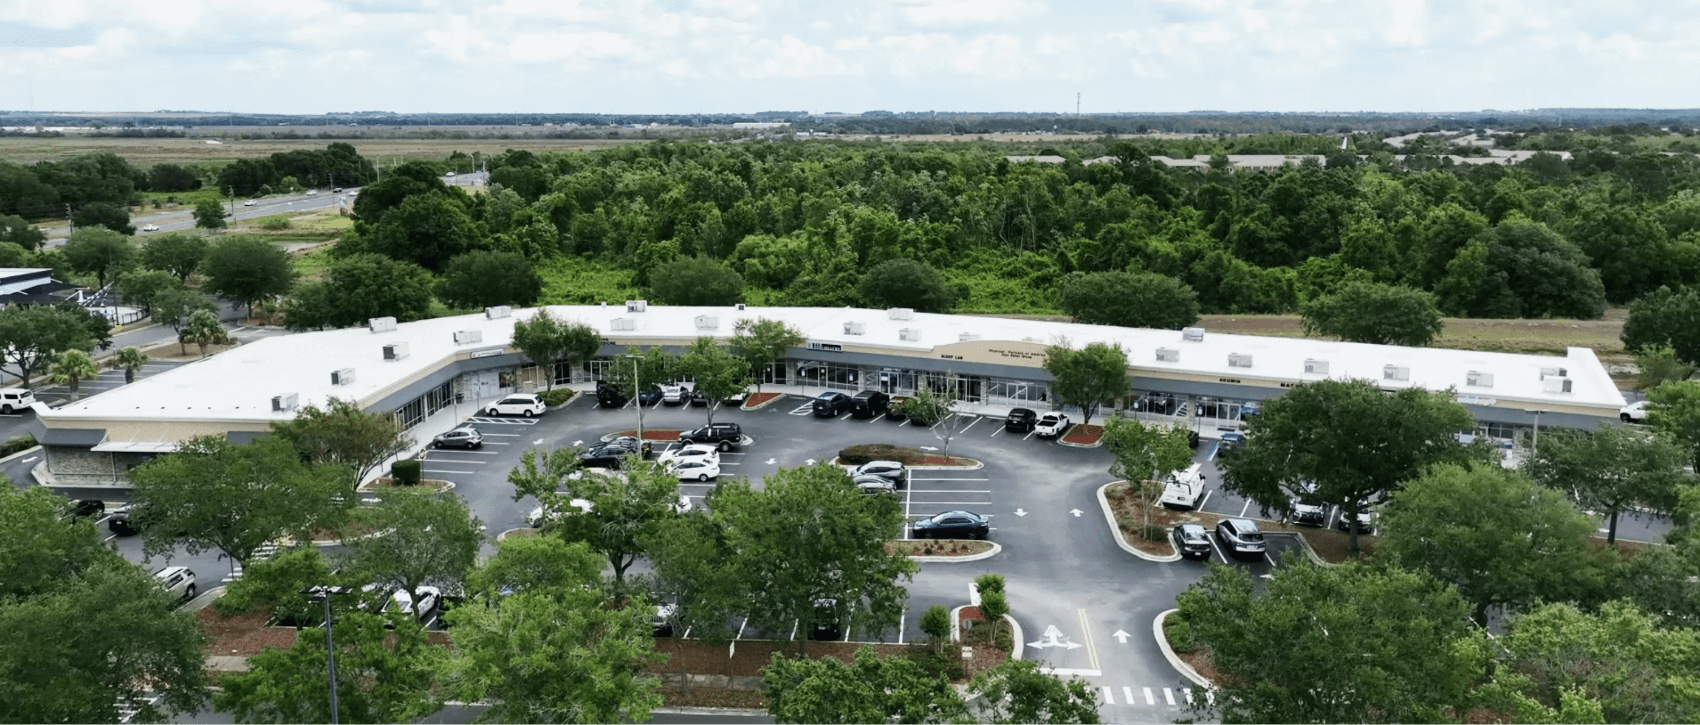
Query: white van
pixel 15 399
pixel 1185 488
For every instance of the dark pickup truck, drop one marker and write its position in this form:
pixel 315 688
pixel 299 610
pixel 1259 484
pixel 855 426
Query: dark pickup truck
pixel 721 435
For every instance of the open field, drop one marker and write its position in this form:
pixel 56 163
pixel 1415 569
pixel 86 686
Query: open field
pixel 145 152
pixel 1519 336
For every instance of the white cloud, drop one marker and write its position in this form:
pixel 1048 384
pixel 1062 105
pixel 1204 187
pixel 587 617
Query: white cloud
pixel 937 13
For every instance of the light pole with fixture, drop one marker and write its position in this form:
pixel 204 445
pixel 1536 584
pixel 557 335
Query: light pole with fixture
pixel 636 398
pixel 324 594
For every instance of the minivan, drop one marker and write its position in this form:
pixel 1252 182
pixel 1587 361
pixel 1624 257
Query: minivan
pixel 12 399
pixel 869 404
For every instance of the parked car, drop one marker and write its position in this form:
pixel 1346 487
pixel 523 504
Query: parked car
pixel 1021 420
pixel 666 610
pixel 1192 541
pixel 86 508
pixel 699 399
pixel 418 604
pixel 690 453
pixel 830 403
pixel 1184 489
pixel 150 227
pixel 1366 521
pixel 953 525
pixel 312 192
pixel 696 469
pixel 826 627
pixel 608 455
pixel 609 396
pixel 893 471
pixel 1052 425
pixel 674 394
pixel 895 410
pixel 1240 536
pixel 465 436
pixel 538 516
pixel 650 395
pixel 524 404
pixel 178 580
pixel 1231 441
pixel 869 404
pixel 1304 510
pixel 249 202
pixel 875 484
pixel 16 399
pixel 724 436
pixel 1635 412
pixel 119 522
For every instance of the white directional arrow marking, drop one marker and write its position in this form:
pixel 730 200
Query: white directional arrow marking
pixel 770 462
pixel 31 458
pixel 1121 636
pixel 537 442
pixel 576 443
pixel 809 462
pixel 1021 512
pixel 928 448
pixel 1053 638
pixel 1076 513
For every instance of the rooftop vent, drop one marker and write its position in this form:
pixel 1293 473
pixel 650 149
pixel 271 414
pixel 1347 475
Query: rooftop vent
pixel 1031 339
pixel 1395 372
pixel 344 376
pixel 708 322
pixel 637 305
pixel 909 334
pixel 498 312
pixel 395 351
pixel 622 324
pixel 1239 360
pixel 467 337
pixel 1479 380
pixel 855 328
pixel 1167 355
pixel 967 336
pixel 381 324
pixel 1556 385
pixel 900 313
pixel 740 305
pixel 1316 367
pixel 282 403
pixel 1192 334
pixel 1554 373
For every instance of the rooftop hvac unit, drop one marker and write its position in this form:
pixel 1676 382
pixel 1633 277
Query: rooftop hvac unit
pixel 855 328
pixel 740 305
pixel 622 324
pixel 1395 372
pixel 282 403
pixel 636 305
pixel 967 336
pixel 909 334
pixel 381 324
pixel 1557 385
pixel 344 376
pixel 1316 367
pixel 1192 334
pixel 708 322
pixel 1554 373
pixel 467 337
pixel 901 313
pixel 498 312
pixel 1479 380
pixel 1166 355
pixel 395 351
pixel 1239 360
pixel 1032 339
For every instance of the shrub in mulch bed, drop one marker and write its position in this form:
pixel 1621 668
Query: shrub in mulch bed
pixel 654 434
pixel 859 454
pixel 1084 435
pixel 556 397
pixel 992 642
pixel 756 399
pixel 942 547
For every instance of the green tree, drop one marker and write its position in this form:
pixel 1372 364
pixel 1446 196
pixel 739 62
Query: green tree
pixel 717 372
pixel 382 675
pixel 1019 691
pixel 1611 469
pixel 1129 299
pixel 97 251
pixel 1144 455
pixel 487 279
pixel 1521 268
pixel 1661 580
pixel 32 335
pixel 1658 365
pixel 139 287
pixel 935 623
pixel 870 689
pixel 174 307
pixel 905 283
pixel 424 539
pixel 341 434
pixel 762 341
pixel 71 369
pixel 203 329
pixel 696 282
pixel 1673 409
pixel 1087 377
pixel 179 254
pixel 209 214
pixel 247 270
pixel 99 326
pixel 12 255
pixel 1354 441
pixel 1379 314
pixel 17 230
pixel 231 497
pixel 547 339
pixel 276 584
pixel 106 215
pixel 361 287
pixel 427 230
pixel 809 536
pixel 130 359
pixel 1664 317
pixel 1491 533
pixel 1356 644
pixel 1618 658
pixel 534 562
pixel 624 507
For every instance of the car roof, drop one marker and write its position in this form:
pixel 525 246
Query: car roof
pixel 171 571
pixel 958 512
pixel 871 464
pixel 1191 528
pixel 1241 524
pixel 1026 411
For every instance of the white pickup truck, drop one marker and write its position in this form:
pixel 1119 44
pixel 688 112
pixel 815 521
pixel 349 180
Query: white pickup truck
pixel 1185 489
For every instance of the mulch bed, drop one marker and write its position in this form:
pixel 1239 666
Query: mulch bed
pixel 1199 659
pixel 653 434
pixel 942 547
pixel 1084 435
pixel 942 461
pixel 755 400
pixel 244 634
pixel 979 635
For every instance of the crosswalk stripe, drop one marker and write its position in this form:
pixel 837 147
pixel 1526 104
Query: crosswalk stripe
pixel 1149 700
pixel 1127 694
pixel 1187 691
pixel 1108 698
pixel 1169 694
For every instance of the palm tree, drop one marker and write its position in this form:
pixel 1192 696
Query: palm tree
pixel 131 359
pixel 203 329
pixel 71 369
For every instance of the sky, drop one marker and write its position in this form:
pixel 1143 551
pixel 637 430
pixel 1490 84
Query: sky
pixel 732 56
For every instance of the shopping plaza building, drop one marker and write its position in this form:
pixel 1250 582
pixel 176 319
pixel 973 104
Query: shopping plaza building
pixel 442 370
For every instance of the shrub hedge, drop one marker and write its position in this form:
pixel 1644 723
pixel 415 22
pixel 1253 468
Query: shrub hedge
pixel 21 443
pixel 860 454
pixel 556 397
pixel 406 472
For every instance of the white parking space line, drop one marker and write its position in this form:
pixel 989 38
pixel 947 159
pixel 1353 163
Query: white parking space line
pixel 1029 434
pixel 438 469
pixel 1202 501
pixel 881 416
pixel 504 435
pixel 949 490
pixel 971 425
pixel 1218 550
pixel 441 452
pixel 1245 508
pixel 995 432
pixel 945 478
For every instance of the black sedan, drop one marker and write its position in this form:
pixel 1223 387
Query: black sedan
pixel 608 455
pixel 953 525
pixel 1020 420
pixel 651 396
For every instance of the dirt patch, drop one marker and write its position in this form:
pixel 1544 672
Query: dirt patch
pixel 649 434
pixel 242 634
pixel 942 547
pixel 1520 336
pixel 1084 435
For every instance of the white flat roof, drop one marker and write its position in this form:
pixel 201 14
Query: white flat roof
pixel 238 385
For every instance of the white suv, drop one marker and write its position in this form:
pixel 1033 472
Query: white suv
pixel 1635 412
pixel 178 580
pixel 526 405
pixel 13 399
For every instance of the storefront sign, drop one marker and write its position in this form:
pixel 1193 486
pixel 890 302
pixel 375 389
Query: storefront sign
pixel 492 352
pixel 825 346
pixel 1018 354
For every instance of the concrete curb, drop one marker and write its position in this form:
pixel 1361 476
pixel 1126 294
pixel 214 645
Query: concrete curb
pixel 1062 442
pixel 974 601
pixel 204 599
pixel 996 549
pixel 368 486
pixel 711 711
pixel 1169 652
pixel 504 535
pixel 31 449
pixel 1116 531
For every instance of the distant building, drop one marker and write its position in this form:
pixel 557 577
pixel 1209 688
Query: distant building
pixel 761 124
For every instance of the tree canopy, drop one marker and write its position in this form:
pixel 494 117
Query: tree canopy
pixel 487 278
pixel 1129 299
pixel 361 287
pixel 247 270
pixel 905 283
pixel 1378 314
pixel 98 251
pixel 1087 377
pixel 696 281
pixel 341 434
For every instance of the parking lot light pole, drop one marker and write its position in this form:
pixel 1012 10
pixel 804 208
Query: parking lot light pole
pixel 324 594
pixel 636 389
